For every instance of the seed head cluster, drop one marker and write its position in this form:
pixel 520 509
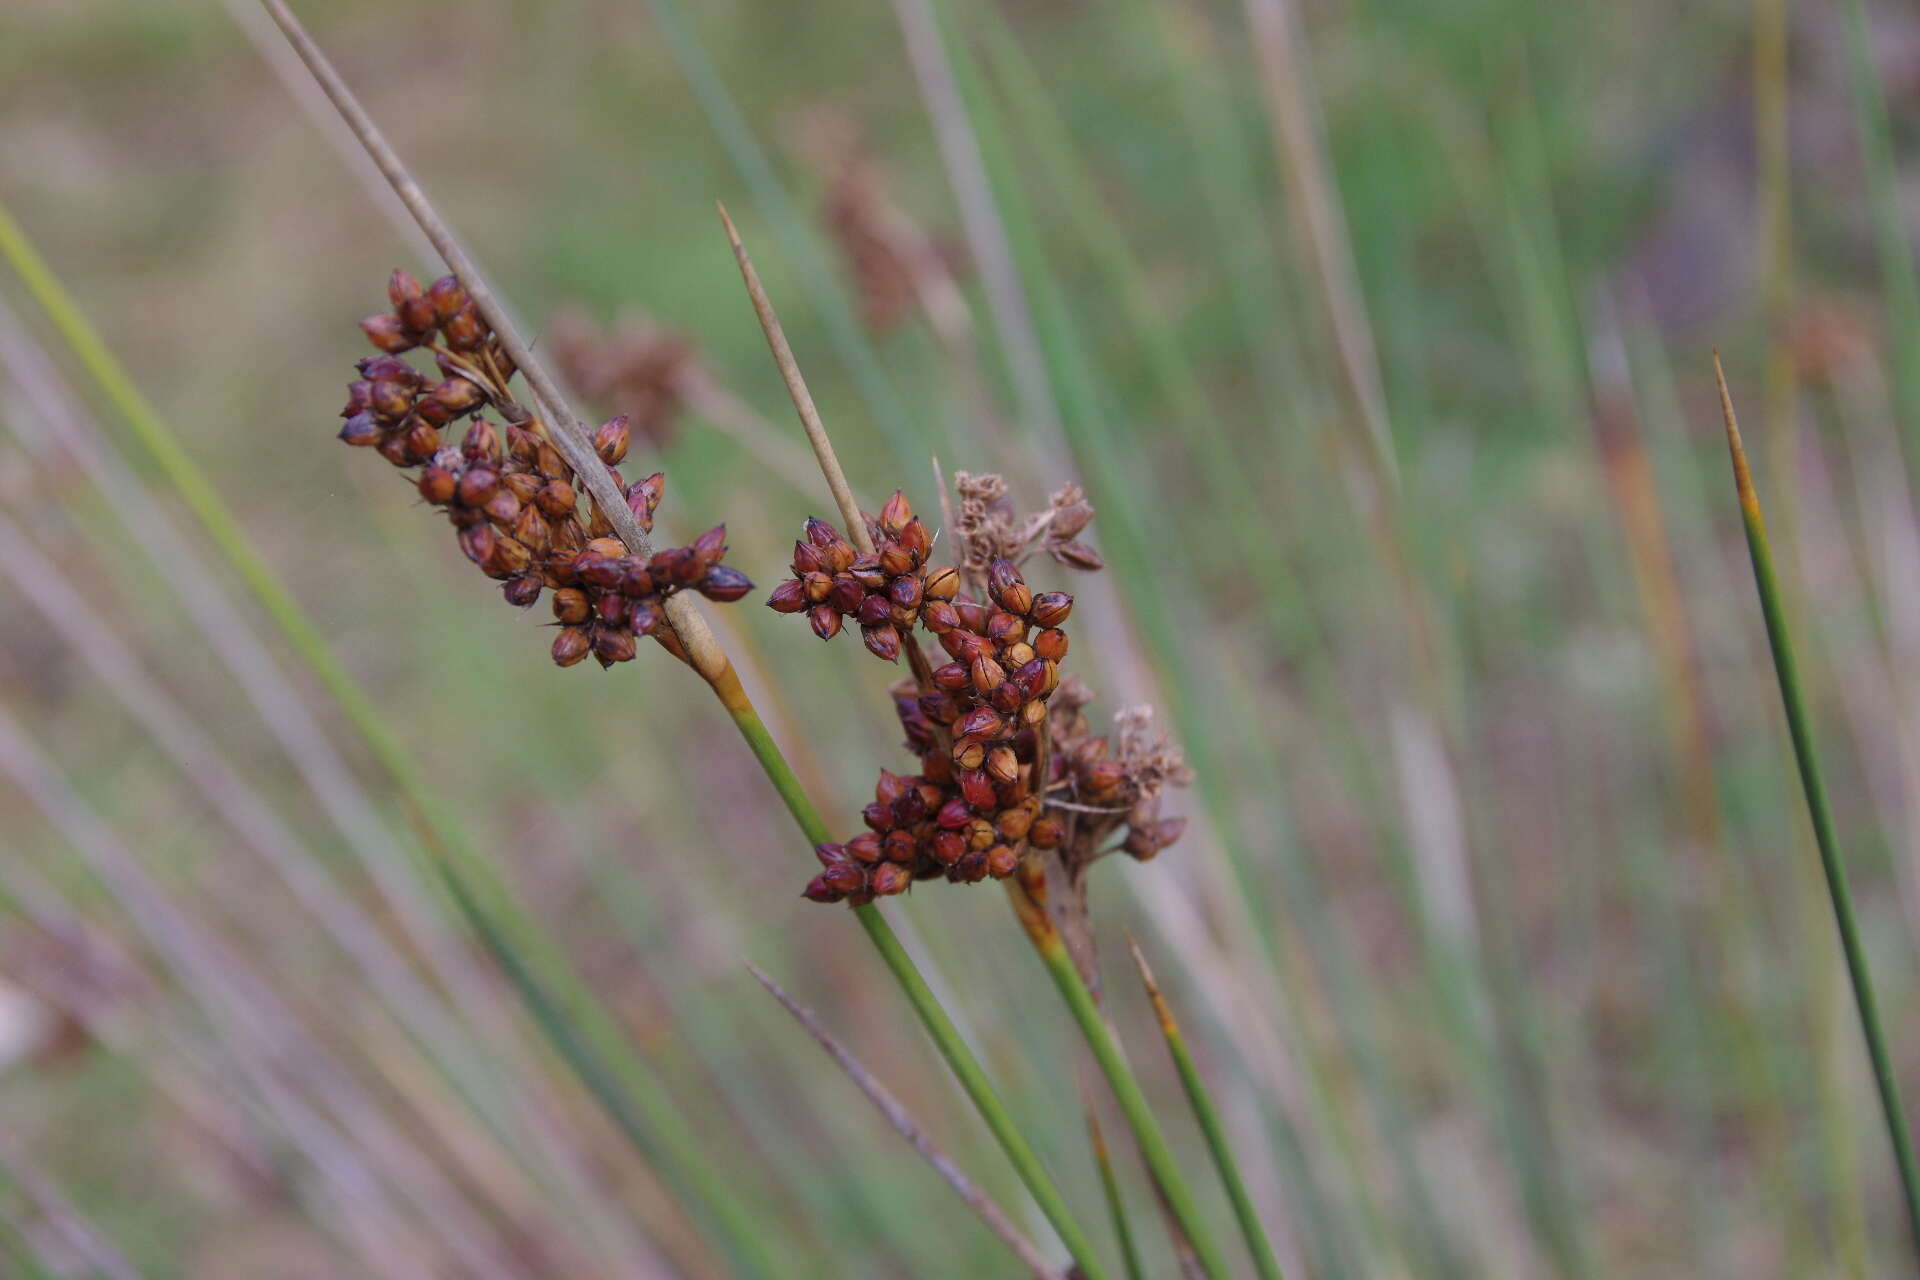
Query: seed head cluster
pixel 987 784
pixel 508 493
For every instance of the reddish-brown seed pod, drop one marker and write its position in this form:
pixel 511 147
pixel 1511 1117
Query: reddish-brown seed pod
pixel 394 450
pixel 438 485
pixel 905 592
pixel 788 597
pixel 938 616
pixel 910 808
pixel 643 499
pixel 846 595
pixel 613 644
pixel 548 462
pixel 477 485
pixel 969 754
pixel 1045 833
pixel 878 816
pixel 503 508
pixel 478 542
pixel 830 853
pixel 818 587
pixel 1053 678
pixel 359 397
pixel 724 584
pixel 611 548
pixel 463 330
pixel 864 847
pixel 481 443
pixel 458 395
pixel 882 642
pixel 1051 644
pixel 947 848
pixel 939 707
pixel 1001 861
pixel 1102 778
pixel 1033 713
pixel 818 890
pixel 1008 589
pixel 867 572
pixel 711 545
pixel 943 584
pixel 509 556
pixel 1013 824
pixel 806 559
pixel 571 605
pixel 1002 766
pixel 874 611
pixel 952 677
pixel 1031 677
pixel 981 722
pixel 889 787
pixel 980 834
pixel 447 296
pixel 1017 655
pixel 422 442
pixel 556 499
pixel 360 431
pixel 900 846
pixel 646 616
pixel 889 878
pixel 570 646
pixel 613 608
pixel 985 675
pixel 1005 629
pixel 895 560
pixel 390 401
pixel 597 570
pixel 967 645
pixel 820 533
pixel 914 537
pixel 1077 555
pixel 521 592
pixel 845 877
pixel 954 814
pixel 387 333
pixel 976 789
pixel 896 511
pixel 612 439
pixel 636 579
pixel 826 622
pixel 1050 608
pixel 432 412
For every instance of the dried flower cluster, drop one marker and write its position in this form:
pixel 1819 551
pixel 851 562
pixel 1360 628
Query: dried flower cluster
pixel 980 724
pixel 508 492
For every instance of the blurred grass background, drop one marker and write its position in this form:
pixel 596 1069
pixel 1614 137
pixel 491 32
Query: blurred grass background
pixel 1498 928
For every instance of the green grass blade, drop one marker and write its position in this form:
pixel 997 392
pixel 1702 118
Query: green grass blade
pixel 1210 1125
pixel 1799 727
pixel 1116 1203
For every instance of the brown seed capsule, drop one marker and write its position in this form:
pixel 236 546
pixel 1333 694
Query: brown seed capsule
pixel 916 539
pixel 438 485
pixel 890 787
pixel 1004 629
pixel 613 644
pixel 864 847
pixel 899 846
pixel 896 511
pixel 1051 644
pixel 387 333
pixel 788 597
pixel 969 754
pixel 981 722
pixel 1045 833
pixel 360 430
pixel 939 617
pixel 612 548
pixel 826 621
pixel 724 584
pixel 878 816
pixel 818 587
pixel 556 499
pixel 464 330
pixel 571 605
pixel 613 609
pixel 952 677
pixel 844 877
pixel 646 616
pixel 947 848
pixel 846 595
pixel 1013 824
pixel 889 878
pixel 1102 778
pixel 980 834
pixel 393 449
pixel 503 508
pixel 1001 861
pixel 612 439
pixel 478 542
pixel 1032 714
pixel 986 675
pixel 1076 555
pixel 570 646
pixel 477 485
pixel 711 545
pixel 422 442
pixel 867 572
pixel 830 853
pixel 954 814
pixel 905 592
pixel 874 611
pixel 882 642
pixel 818 890
pixel 976 789
pixel 1017 654
pixel 510 556
pixel 895 560
pixel 458 395
pixel 597 570
pixel 1008 589
pixel 971 869
pixel 1002 766
pixel 939 707
pixel 966 645
pixel 943 583
pixel 447 296
pixel 643 499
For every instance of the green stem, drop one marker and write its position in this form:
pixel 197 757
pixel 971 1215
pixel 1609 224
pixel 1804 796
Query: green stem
pixel 1800 729
pixel 1126 1090
pixel 1216 1133
pixel 946 1037
pixel 1116 1204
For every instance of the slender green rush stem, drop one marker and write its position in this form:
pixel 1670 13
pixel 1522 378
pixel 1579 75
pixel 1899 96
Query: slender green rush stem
pixel 1116 1205
pixel 1209 1118
pixel 1800 728
pixel 946 1037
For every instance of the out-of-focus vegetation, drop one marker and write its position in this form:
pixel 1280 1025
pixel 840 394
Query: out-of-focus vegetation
pixel 1497 931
